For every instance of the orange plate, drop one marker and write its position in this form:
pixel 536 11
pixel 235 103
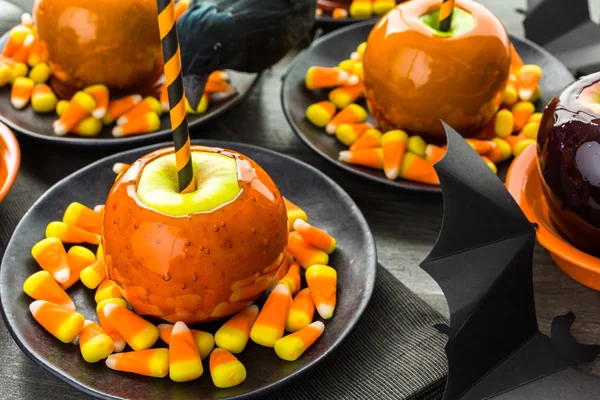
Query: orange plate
pixel 10 159
pixel 524 185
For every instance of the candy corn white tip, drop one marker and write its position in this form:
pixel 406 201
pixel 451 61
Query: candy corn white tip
pixel 108 309
pixel 178 328
pixel 165 107
pixel 117 131
pixel 353 80
pixel 525 94
pixel 355 56
pixel 28 40
pixel 299 224
pixel 136 98
pixel 163 327
pixel 344 156
pixel 392 173
pixel 118 168
pixel 121 120
pixel 119 345
pixel 18 103
pixel 70 305
pixel 87 323
pixel 99 207
pixel 253 308
pixel 111 361
pixel 26 19
pixel 59 128
pixel 281 288
pixel 99 113
pixel 62 275
pixel 36 305
pixel 325 310
pixel 342 75
pixel 330 129
pixel 318 325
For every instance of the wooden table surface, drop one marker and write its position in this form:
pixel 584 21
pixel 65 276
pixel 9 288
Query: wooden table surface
pixel 405 225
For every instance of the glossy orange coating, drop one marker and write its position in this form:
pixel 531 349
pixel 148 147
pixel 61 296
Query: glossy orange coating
pixel 188 268
pixel 10 159
pixel 414 78
pixel 524 184
pixel 111 42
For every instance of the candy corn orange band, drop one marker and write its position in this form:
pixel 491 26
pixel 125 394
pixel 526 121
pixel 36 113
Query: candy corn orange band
pixel 174 82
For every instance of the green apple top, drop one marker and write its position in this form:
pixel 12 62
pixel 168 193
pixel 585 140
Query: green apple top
pixel 462 22
pixel 216 181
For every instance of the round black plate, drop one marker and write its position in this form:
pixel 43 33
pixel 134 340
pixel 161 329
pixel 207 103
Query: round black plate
pixel 39 126
pixel 324 201
pixel 330 49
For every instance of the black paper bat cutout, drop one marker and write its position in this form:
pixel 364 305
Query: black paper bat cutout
pixel 483 262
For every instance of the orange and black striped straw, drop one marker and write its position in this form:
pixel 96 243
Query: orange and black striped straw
pixel 174 81
pixel 446 15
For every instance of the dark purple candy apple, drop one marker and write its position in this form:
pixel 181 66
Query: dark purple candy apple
pixel 569 162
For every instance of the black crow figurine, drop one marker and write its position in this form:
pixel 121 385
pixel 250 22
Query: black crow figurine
pixel 242 35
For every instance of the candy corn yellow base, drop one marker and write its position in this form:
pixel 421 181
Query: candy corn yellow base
pixel 205 342
pixel 289 348
pixel 97 349
pixel 264 335
pixel 144 339
pixel 228 374
pixel 185 371
pixel 216 183
pixel 231 339
pixel 296 320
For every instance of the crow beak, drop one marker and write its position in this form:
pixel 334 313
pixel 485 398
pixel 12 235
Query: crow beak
pixel 194 88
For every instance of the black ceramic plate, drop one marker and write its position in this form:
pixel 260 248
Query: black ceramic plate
pixel 334 47
pixel 39 126
pixel 323 200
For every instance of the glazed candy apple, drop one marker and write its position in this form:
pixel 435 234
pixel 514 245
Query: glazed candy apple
pixel 415 75
pixel 198 256
pixel 113 42
pixel 569 162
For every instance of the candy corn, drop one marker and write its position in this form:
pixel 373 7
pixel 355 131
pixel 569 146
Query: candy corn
pixel 70 233
pixel 16 38
pixel 79 215
pixel 292 346
pixel 369 139
pixel 294 212
pixel 481 146
pixel 92 275
pixel 347 65
pixel 346 95
pixel 202 105
pixel 164 98
pixel 118 168
pixel 94 343
pixel 322 281
pixel 219 75
pixel 21 92
pixel 234 334
pixel 43 99
pixel 380 7
pixel 119 342
pixel 501 152
pixel 38 54
pixel 528 78
pixel 537 93
pixel 184 360
pixel 434 153
pixel 302 311
pixel 536 117
pixel 490 164
pixel 349 133
pixel 325 77
pixel 372 158
pixel 320 113
pixel 149 104
pixel 78 258
pixel 137 332
pixel 292 277
pixel 89 126
pixel 304 253
pixel 19 70
pixel 23 52
pixel 40 73
pixel 117 108
pixel 107 290
pixel 530 130
pixel 80 106
pixel 52 257
pixel 270 323
pixel 61 322
pixel 217 86
pixel 315 237
pixel 205 342
pixel 416 145
pixel 503 123
pixel 515 60
pixel 522 145
pixel 153 362
pixel 418 169
pixel 521 112
pixel 101 95
pixel 361 8
pixel 5 74
pixel 41 286
pixel 511 96
pixel 351 114
pixel 61 106
pixel 225 370
pixel 339 13
pixel 149 122
pixel 394 145
pixel 358 71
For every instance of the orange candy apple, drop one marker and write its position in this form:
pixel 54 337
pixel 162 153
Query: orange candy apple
pixel 416 76
pixel 199 256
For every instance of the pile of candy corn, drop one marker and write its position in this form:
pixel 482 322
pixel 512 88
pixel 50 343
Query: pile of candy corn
pixel 360 9
pixel 289 307
pixel 23 65
pixel 510 131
